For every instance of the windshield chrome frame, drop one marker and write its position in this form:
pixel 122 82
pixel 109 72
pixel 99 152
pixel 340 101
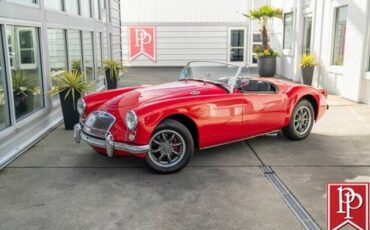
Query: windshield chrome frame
pixel 230 87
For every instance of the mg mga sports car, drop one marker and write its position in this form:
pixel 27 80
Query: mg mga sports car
pixel 211 104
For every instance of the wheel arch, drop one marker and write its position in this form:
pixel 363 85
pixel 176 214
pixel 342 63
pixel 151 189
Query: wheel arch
pixel 188 123
pixel 313 101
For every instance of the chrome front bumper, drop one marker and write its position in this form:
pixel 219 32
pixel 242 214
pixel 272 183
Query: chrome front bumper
pixel 108 143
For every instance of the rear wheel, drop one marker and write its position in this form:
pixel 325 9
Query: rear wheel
pixel 301 121
pixel 171 147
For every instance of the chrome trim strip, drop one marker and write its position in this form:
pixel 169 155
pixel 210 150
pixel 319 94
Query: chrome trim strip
pixel 108 143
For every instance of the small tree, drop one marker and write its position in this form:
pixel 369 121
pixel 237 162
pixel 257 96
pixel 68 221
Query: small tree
pixel 263 14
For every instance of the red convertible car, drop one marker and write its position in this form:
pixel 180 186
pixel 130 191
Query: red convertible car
pixel 211 104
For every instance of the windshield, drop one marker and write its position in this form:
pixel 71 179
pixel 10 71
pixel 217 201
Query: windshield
pixel 213 72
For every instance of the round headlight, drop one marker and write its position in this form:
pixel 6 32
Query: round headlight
pixel 131 120
pixel 81 106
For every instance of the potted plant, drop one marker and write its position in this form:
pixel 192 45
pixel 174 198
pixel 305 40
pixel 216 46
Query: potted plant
pixel 307 65
pixel 112 69
pixel 24 90
pixel 70 85
pixel 266 56
pixel 76 65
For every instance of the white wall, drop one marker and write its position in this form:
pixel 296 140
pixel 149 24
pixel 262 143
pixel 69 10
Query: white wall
pixel 183 10
pixel 185 29
pixel 177 45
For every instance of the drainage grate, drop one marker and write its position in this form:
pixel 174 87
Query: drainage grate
pixel 298 210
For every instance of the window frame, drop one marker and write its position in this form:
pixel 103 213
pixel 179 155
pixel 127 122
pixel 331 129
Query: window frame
pixel 68 48
pixel 333 31
pixel 25 120
pixel 97 9
pixel 252 43
pixel 19 2
pixel 244 47
pixel 80 3
pixel 32 65
pixel 55 99
pixel 4 71
pixel 63 4
pixel 286 51
pixel 93 53
pixel 308 15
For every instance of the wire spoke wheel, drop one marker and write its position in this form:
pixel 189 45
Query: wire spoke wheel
pixel 302 120
pixel 167 148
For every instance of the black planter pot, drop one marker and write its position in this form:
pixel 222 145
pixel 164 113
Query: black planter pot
pixel 22 103
pixel 69 109
pixel 266 66
pixel 307 75
pixel 111 82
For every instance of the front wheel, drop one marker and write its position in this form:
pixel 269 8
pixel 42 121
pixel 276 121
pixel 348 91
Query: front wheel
pixel 171 147
pixel 301 121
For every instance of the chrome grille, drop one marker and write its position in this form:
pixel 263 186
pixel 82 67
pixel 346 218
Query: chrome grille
pixel 98 123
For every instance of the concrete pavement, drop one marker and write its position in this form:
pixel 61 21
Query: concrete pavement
pixel 58 184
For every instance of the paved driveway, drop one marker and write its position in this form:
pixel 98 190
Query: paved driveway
pixel 58 184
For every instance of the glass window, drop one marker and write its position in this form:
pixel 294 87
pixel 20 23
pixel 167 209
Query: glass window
pixel 4 105
pixel 57 53
pixel 26 69
pixel 99 52
pixel 72 6
pixel 256 43
pixel 257 37
pixel 105 45
pixel 110 46
pixel 306 44
pixel 54 4
pixel 74 50
pixel 237 45
pixel 339 35
pixel 25 1
pixel 108 10
pixel 288 26
pixel 97 9
pixel 88 53
pixel 103 16
pixel 85 8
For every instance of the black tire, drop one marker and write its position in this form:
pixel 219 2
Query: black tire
pixel 179 134
pixel 292 131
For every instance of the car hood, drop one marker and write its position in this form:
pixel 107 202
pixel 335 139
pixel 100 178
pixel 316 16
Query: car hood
pixel 170 90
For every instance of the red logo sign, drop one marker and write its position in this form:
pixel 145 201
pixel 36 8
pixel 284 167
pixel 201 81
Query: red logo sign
pixel 141 41
pixel 348 205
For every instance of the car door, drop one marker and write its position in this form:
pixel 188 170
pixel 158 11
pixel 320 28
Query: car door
pixel 263 112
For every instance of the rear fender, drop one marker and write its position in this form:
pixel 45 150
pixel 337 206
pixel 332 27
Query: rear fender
pixel 296 93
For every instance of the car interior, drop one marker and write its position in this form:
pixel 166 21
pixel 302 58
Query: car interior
pixel 253 85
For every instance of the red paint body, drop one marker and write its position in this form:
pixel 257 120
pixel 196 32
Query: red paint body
pixel 219 117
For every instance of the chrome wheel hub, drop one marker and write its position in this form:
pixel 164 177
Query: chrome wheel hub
pixel 167 148
pixel 302 120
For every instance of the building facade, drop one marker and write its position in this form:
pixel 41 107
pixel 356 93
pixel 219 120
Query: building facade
pixel 336 32
pixel 188 30
pixel 38 40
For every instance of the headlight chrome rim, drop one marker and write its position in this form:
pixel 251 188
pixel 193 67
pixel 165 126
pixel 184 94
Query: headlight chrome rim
pixel 81 106
pixel 131 120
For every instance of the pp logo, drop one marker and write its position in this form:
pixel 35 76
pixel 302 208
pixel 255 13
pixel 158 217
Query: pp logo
pixel 348 205
pixel 142 40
